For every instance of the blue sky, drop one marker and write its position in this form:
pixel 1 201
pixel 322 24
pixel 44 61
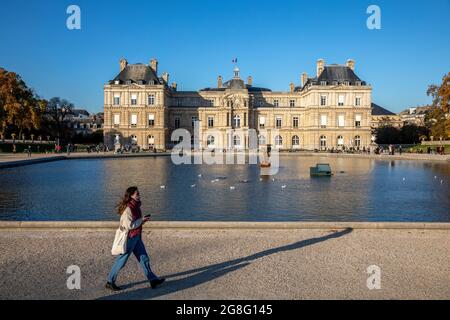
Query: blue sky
pixel 195 41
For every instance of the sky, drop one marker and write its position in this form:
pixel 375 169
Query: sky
pixel 195 41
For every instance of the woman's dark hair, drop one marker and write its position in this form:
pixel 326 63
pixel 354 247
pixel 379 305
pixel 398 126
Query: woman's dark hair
pixel 125 200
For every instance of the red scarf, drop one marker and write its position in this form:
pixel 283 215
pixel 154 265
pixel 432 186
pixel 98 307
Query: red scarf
pixel 135 207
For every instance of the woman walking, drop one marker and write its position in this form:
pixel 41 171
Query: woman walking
pixel 131 221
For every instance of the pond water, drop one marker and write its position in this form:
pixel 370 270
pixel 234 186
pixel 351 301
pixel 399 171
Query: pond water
pixel 361 190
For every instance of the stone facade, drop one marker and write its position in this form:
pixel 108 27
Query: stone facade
pixel 330 110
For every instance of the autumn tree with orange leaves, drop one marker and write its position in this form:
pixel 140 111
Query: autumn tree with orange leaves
pixel 20 108
pixel 438 118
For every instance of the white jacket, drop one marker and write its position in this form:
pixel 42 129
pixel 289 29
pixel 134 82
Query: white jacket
pixel 126 221
pixel 121 237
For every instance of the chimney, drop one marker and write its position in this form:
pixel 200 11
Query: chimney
pixel 174 86
pixel 291 87
pixel 154 65
pixel 320 66
pixel 304 78
pixel 250 80
pixel 351 64
pixel 219 82
pixel 165 77
pixel 123 64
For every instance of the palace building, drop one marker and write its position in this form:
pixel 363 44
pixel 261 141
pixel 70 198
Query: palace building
pixel 331 109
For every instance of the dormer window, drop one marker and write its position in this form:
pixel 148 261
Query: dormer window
pixel 323 83
pixel 358 83
pixel 347 83
pixel 117 82
pixel 128 82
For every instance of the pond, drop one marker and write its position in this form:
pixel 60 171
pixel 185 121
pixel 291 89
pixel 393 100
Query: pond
pixel 361 189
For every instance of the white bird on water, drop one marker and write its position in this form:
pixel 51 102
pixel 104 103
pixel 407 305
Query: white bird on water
pixel 192 185
pixel 283 186
pixel 163 187
pixel 435 177
pixel 404 179
pixel 199 175
pixel 232 188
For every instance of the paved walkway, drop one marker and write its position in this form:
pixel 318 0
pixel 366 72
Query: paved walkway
pixel 232 264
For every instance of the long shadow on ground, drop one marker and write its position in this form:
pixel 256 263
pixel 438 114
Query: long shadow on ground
pixel 204 274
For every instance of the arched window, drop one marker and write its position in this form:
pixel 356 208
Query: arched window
pixel 340 140
pixel 278 141
pixel 134 139
pixel 323 142
pixel 262 140
pixel 295 141
pixel 237 121
pixel 357 141
pixel 237 141
pixel 210 140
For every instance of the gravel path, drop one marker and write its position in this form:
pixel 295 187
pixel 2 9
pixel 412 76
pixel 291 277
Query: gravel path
pixel 232 264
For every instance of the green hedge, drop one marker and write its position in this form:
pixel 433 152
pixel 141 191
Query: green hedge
pixel 20 147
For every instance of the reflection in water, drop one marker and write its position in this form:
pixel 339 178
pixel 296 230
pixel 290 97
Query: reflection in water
pixel 360 190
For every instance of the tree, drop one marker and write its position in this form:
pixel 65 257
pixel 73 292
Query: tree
pixel 387 135
pixel 57 113
pixel 20 108
pixel 438 119
pixel 411 133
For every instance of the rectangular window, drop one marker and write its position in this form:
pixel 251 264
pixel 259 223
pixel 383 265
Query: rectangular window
pixel 295 122
pixel 358 120
pixel 134 120
pixel 323 100
pixel 276 103
pixel 151 99
pixel 177 122
pixel 341 120
pixel 245 119
pixel 151 120
pixel 262 122
pixel 116 99
pixel 341 99
pixel 211 102
pixel 323 120
pixel 323 83
pixel 116 120
pixel 210 122
pixel 292 103
pixel 278 122
pixel 134 99
pixel 358 101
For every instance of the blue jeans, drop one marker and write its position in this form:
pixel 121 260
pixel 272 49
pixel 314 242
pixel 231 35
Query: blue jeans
pixel 136 246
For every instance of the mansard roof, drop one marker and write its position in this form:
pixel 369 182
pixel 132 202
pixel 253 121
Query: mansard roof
pixel 334 74
pixel 137 73
pixel 380 111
